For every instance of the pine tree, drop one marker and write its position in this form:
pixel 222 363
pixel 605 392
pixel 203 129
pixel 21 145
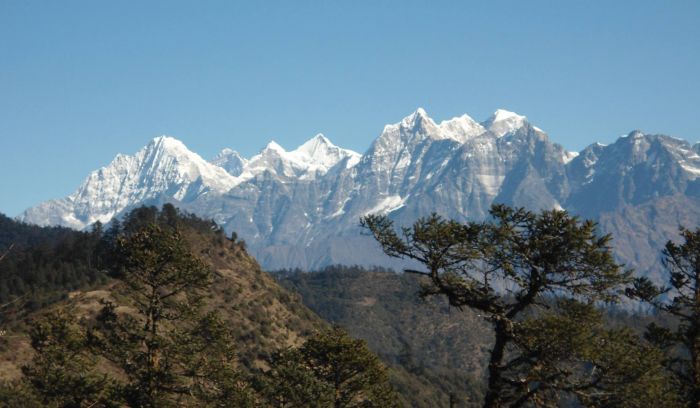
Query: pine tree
pixel 330 369
pixel 571 355
pixel 290 383
pixel 169 350
pixel 508 269
pixel 155 345
pixel 62 373
pixel 678 299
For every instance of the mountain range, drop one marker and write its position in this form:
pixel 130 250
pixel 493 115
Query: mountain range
pixel 301 208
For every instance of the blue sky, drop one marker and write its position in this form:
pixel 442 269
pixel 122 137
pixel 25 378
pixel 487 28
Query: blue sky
pixel 83 80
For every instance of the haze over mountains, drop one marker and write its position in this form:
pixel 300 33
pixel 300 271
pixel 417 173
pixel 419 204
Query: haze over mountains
pixel 301 208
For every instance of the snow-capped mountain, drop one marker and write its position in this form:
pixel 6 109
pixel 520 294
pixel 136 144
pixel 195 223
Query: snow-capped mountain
pixel 300 208
pixel 641 189
pixel 165 167
pixel 461 128
pixel 503 122
pixel 313 158
pixel 231 161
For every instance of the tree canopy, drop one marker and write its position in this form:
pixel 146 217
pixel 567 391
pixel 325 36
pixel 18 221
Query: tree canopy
pixel 511 269
pixel 679 299
pixel 330 369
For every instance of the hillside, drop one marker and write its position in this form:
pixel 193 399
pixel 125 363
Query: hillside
pixel 423 338
pixel 445 347
pixel 41 265
pixel 263 315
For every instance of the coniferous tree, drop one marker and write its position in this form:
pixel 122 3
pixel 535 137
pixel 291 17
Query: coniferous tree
pixel 330 369
pixel 679 298
pixel 42 264
pixel 290 383
pixel 154 346
pixel 506 270
pixel 62 373
pixel 169 350
pixel 571 355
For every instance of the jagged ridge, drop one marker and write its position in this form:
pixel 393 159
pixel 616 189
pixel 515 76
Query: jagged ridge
pixel 301 207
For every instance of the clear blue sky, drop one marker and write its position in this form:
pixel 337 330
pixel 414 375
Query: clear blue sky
pixel 83 80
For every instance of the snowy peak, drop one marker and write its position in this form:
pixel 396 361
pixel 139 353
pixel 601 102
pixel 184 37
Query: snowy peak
pixel 461 128
pixel 315 156
pixel 164 166
pixel 320 154
pixel 503 122
pixel 418 118
pixel 230 160
pixel 169 160
pixel 273 147
pixel 166 146
pixel 419 122
pixel 224 153
pixel 273 158
pixel 166 142
pixel 317 145
pixel 502 115
pixel 647 148
pixel 409 131
pixel 416 125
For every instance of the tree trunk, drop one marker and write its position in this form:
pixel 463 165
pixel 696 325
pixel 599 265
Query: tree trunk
pixel 495 385
pixel 695 340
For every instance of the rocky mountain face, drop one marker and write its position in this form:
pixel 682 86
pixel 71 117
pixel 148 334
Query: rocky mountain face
pixel 301 208
pixel 164 168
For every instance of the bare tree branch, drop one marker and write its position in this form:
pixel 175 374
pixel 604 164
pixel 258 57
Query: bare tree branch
pixel 6 252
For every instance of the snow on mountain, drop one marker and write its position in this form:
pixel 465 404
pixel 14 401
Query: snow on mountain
pixel 166 163
pixel 635 169
pixel 417 125
pixel 230 160
pixel 461 128
pixel 164 166
pixel 503 122
pixel 300 208
pixel 272 158
pixel 690 160
pixel 314 157
pixel 568 156
pixel 640 189
pixel 420 125
pixel 319 154
pixel 387 205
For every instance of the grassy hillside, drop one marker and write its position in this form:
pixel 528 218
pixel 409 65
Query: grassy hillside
pixel 263 316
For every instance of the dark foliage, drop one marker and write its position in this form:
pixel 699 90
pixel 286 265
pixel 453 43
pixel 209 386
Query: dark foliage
pixel 509 269
pixel 41 265
pixel 418 338
pixel 330 369
pixel 678 301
